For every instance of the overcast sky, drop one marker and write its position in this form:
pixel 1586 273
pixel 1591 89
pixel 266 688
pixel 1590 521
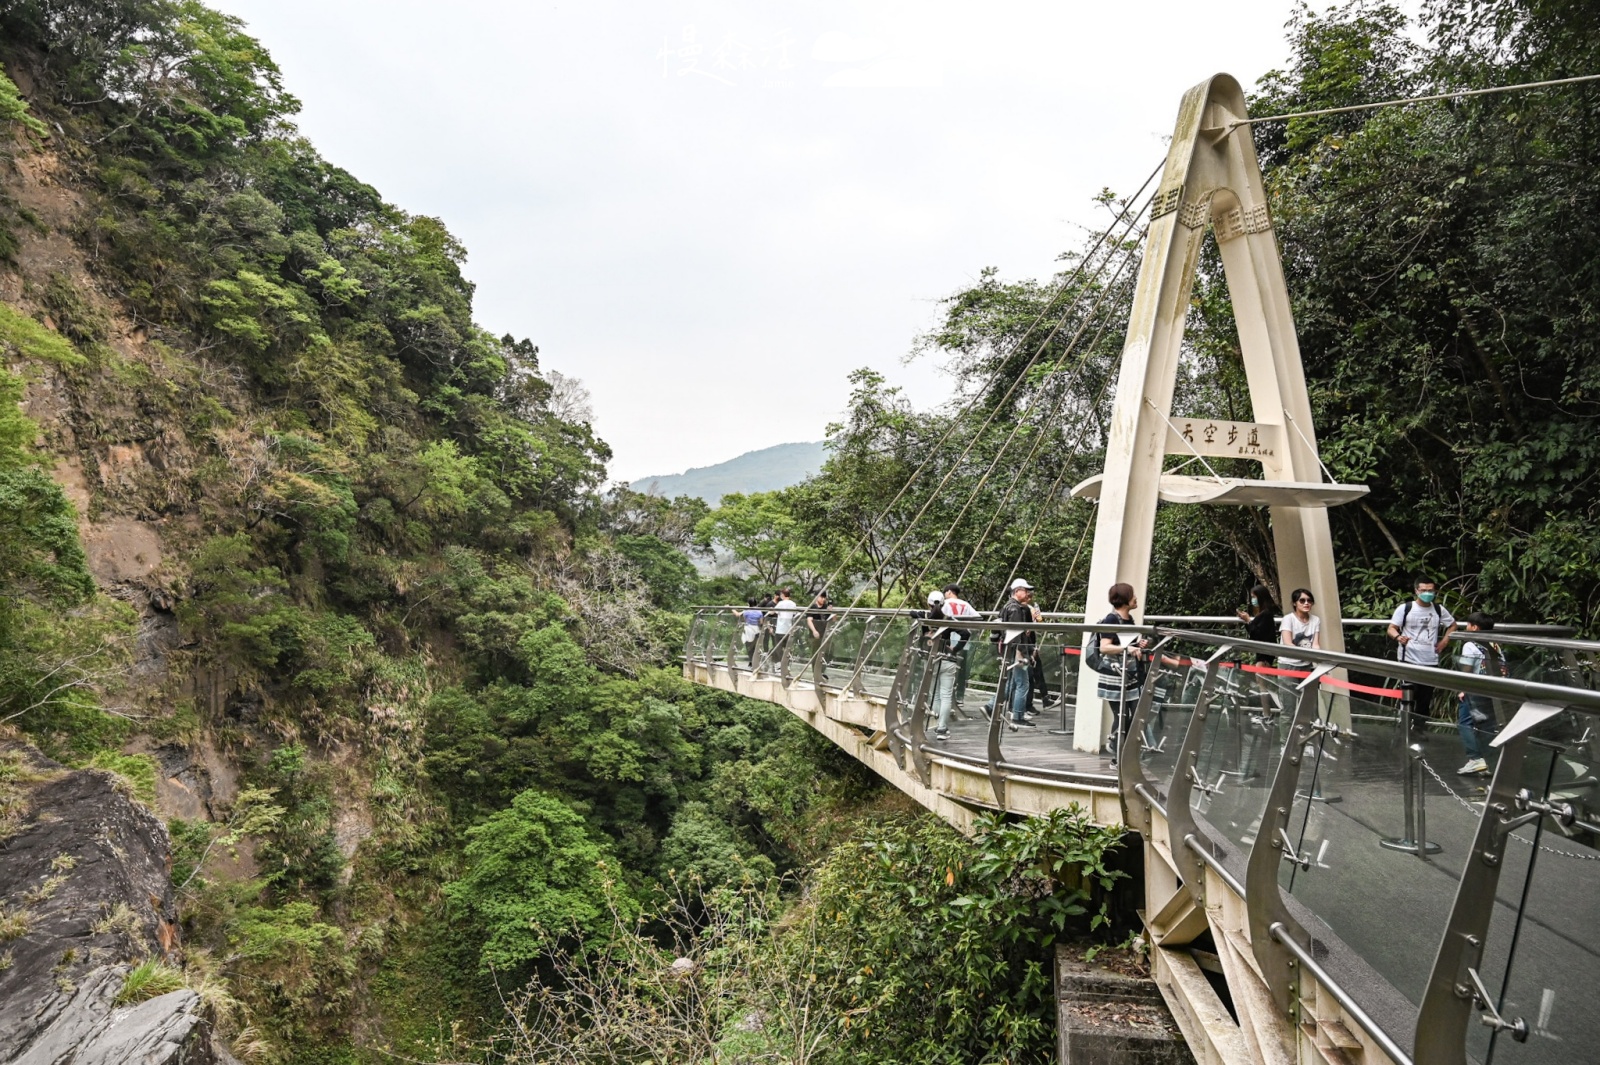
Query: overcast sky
pixel 711 212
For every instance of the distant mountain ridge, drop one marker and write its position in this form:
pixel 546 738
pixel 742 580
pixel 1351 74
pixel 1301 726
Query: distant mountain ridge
pixel 766 470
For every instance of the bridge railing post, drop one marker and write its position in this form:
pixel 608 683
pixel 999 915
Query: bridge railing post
pixel 1180 815
pixel 1273 846
pixel 1452 997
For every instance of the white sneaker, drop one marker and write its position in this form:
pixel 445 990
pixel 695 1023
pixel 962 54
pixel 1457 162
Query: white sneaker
pixel 1474 765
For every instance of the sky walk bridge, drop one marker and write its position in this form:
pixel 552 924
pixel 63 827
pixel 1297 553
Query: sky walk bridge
pixel 1304 844
pixel 1320 883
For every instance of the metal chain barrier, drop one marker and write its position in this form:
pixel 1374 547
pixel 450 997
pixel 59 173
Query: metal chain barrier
pixel 1474 810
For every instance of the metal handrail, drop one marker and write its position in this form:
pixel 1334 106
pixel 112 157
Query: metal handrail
pixel 1434 676
pixel 1510 688
pixel 1523 629
pixel 1279 934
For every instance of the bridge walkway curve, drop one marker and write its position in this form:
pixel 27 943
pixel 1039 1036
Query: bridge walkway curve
pixel 1302 840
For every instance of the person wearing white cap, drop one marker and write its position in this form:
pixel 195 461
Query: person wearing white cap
pixel 943 643
pixel 1016 652
pixel 957 607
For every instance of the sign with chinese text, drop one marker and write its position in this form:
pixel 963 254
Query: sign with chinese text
pixel 1216 438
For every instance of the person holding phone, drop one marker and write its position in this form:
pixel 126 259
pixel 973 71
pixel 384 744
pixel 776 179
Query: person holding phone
pixel 1120 680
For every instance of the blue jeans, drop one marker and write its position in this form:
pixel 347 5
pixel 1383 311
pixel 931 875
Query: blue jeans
pixel 1475 734
pixel 1018 679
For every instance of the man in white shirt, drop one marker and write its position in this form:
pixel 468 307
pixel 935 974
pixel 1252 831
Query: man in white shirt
pixel 788 612
pixel 1422 630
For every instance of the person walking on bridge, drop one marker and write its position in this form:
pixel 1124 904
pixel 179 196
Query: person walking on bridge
pixel 753 617
pixel 944 643
pixel 1016 653
pixel 957 607
pixel 817 618
pixel 787 611
pixel 1475 713
pixel 1421 628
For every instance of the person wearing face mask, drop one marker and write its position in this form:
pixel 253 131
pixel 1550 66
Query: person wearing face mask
pixel 1421 629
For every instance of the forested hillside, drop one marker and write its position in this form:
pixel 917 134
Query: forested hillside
pixel 766 470
pixel 348 601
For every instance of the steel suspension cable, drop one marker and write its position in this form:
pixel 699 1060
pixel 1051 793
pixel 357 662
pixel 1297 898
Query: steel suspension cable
pixel 1130 254
pixel 1071 569
pixel 1038 443
pixel 980 392
pixel 995 410
pixel 1236 123
pixel 1055 487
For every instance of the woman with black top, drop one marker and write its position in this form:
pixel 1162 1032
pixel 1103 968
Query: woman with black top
pixel 1124 671
pixel 1261 625
pixel 1260 622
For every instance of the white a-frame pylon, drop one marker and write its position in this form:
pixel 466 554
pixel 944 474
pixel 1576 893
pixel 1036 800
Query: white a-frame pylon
pixel 1211 178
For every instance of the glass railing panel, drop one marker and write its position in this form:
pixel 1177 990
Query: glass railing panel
pixel 1549 666
pixel 983 673
pixel 1237 755
pixel 841 647
pixel 882 644
pixel 1031 744
pixel 1061 657
pixel 803 663
pixel 694 640
pixel 725 640
pixel 1361 825
pixel 1177 678
pixel 1547 910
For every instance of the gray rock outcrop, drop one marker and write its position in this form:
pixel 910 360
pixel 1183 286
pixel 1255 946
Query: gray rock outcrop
pixel 85 894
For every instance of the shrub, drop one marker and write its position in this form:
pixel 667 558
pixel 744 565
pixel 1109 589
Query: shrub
pixel 150 979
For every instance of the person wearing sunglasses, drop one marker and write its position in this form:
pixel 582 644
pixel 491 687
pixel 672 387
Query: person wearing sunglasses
pixel 1300 628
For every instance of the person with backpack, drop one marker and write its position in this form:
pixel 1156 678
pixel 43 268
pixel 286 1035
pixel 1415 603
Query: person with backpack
pixel 1016 654
pixel 1116 658
pixel 1421 630
pixel 944 646
pixel 957 607
pixel 1475 713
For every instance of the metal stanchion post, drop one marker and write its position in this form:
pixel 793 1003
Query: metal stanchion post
pixel 1415 840
pixel 1061 700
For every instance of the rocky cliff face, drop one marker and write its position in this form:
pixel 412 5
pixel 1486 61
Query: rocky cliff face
pixel 86 897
